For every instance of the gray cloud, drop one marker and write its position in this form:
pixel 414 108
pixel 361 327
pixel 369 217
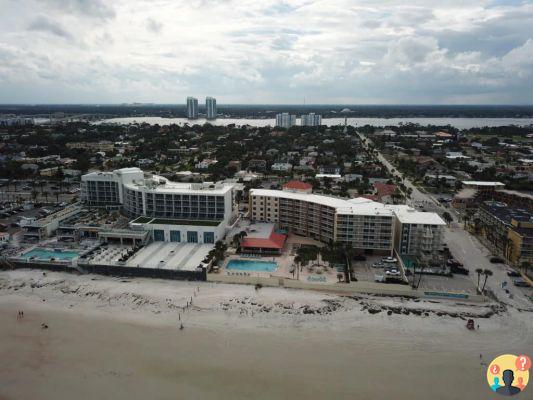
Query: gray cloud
pixel 353 51
pixel 43 24
pixel 85 8
pixel 153 26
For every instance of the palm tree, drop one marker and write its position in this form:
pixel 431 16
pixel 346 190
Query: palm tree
pixel 45 194
pixel 479 271
pixel 466 218
pixel 235 240
pixel 487 273
pixel 525 266
pixel 34 195
pixel 509 249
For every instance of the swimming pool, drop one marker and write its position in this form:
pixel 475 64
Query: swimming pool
pixel 250 265
pixel 45 254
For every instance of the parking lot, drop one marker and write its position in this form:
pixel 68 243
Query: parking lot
pixel 456 283
pixel 364 270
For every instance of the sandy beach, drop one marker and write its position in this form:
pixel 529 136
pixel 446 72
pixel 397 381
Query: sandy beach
pixel 112 338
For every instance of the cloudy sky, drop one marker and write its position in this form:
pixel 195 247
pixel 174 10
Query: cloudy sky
pixel 267 51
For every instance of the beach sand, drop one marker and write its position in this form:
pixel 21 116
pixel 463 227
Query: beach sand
pixel 113 339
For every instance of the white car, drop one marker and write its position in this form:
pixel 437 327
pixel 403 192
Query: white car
pixel 389 260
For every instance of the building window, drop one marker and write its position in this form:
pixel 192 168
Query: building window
pixel 192 237
pixel 159 235
pixel 209 237
pixel 175 236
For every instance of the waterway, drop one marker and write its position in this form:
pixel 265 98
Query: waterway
pixel 459 123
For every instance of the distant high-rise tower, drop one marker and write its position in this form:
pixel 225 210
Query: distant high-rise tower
pixel 311 119
pixel 285 120
pixel 192 108
pixel 211 107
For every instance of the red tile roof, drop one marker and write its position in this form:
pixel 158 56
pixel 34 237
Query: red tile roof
pixel 275 241
pixel 297 185
pixel 384 189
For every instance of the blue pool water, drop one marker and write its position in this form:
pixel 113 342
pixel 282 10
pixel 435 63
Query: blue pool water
pixel 44 254
pixel 250 265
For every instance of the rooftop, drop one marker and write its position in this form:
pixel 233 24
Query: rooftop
pixel 297 185
pixel 358 206
pixel 483 183
pixel 408 215
pixel 159 184
pixel 505 213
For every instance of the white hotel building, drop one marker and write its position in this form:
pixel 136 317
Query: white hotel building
pixel 285 120
pixel 363 224
pixel 172 211
pixel 311 119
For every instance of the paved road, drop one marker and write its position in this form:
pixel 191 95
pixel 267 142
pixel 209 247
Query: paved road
pixel 465 247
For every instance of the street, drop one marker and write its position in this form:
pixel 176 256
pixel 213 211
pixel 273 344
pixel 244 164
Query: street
pixel 463 246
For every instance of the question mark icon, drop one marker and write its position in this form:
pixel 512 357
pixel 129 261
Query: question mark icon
pixel 494 369
pixel 523 362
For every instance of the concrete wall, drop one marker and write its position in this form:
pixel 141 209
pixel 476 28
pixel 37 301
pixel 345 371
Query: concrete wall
pixel 342 288
pixel 113 270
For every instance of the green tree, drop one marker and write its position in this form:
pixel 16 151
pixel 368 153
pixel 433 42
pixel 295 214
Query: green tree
pixel 446 216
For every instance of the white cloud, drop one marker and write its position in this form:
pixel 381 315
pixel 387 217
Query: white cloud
pixel 356 51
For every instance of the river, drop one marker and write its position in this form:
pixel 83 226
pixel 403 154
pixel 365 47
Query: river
pixel 459 123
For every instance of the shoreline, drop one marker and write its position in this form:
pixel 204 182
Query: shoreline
pixel 107 333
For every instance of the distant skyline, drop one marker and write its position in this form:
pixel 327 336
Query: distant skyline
pixel 338 52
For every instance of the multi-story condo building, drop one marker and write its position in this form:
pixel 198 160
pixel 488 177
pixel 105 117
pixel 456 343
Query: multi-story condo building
pixel 363 224
pixel 311 119
pixel 285 120
pixel 174 211
pixel 509 230
pixel 210 108
pixel 418 233
pixel 192 108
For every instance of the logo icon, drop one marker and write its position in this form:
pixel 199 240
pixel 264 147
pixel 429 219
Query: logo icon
pixel 509 374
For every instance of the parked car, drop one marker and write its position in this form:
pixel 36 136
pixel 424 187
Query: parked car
pixel 378 264
pixel 520 282
pixel 3 227
pixel 497 260
pixel 453 263
pixel 459 269
pixel 379 278
pixel 389 259
pixel 512 273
